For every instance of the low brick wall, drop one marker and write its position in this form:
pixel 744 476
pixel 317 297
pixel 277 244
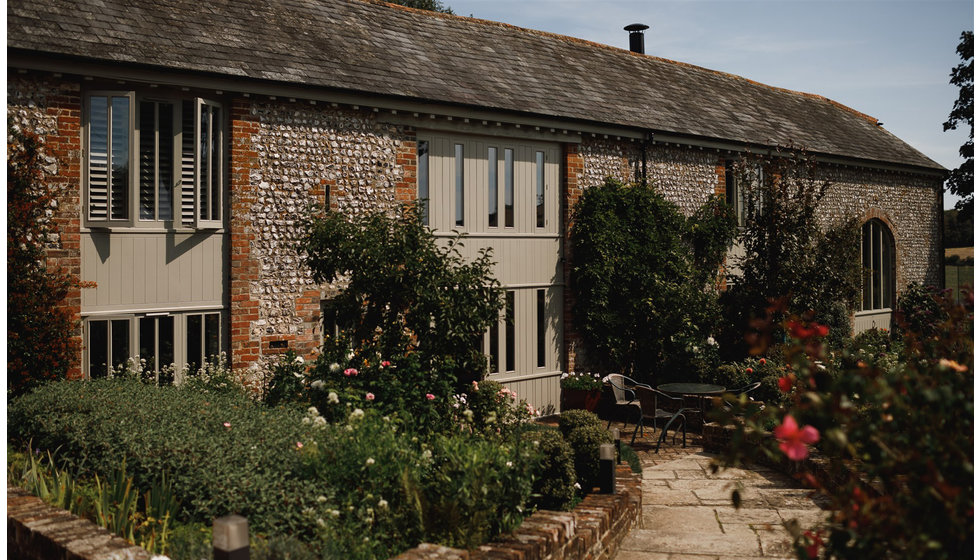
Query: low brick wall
pixel 592 531
pixel 38 531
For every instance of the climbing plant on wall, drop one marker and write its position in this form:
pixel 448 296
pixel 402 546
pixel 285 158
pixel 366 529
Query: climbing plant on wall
pixel 40 346
pixel 643 278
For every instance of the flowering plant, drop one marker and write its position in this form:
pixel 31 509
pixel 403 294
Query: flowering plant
pixel 896 439
pixel 583 381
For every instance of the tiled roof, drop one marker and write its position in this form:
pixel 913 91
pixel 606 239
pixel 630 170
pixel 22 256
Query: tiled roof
pixel 369 46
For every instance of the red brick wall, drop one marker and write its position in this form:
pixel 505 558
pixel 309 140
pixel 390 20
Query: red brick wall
pixel 244 307
pixel 571 178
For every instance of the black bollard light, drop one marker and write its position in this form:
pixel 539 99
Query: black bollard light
pixel 619 444
pixel 607 468
pixel 231 538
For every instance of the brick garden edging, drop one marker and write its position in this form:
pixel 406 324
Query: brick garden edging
pixel 592 531
pixel 38 531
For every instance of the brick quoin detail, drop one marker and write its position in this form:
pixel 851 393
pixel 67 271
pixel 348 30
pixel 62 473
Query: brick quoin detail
pixel 245 270
pixel 65 146
pixel 406 157
pixel 721 187
pixel 573 189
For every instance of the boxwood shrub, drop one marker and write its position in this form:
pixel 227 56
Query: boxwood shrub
pixel 584 432
pixel 223 453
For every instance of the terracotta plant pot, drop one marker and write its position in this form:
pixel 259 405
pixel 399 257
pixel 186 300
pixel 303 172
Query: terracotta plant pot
pixel 582 399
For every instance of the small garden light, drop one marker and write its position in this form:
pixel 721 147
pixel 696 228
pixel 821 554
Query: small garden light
pixel 231 538
pixel 607 468
pixel 619 443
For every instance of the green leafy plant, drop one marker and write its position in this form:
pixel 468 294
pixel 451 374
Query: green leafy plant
pixel 288 379
pixel 788 255
pixel 581 381
pixel 640 277
pixel 41 342
pixel 584 433
pixel 896 440
pixel 403 292
pixel 554 487
pixel 115 504
pixel 223 452
pixel 53 485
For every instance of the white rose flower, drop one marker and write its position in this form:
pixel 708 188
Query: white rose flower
pixel 317 385
pixel 334 367
pixel 321 499
pixel 333 398
pixel 382 504
pixel 357 414
pixel 312 411
pixel 320 422
pixel 299 360
pixel 369 462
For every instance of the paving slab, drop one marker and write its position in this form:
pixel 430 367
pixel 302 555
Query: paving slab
pixel 688 514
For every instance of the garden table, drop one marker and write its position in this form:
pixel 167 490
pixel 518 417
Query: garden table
pixel 699 390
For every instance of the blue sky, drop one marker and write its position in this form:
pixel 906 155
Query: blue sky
pixel 890 59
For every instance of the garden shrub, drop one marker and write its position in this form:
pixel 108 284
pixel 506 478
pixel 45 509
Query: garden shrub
pixel 420 394
pixel 919 309
pixel 584 432
pixel 222 452
pixel 641 277
pixel 384 490
pixel 898 442
pixel 765 370
pixel 554 485
pixel 491 409
pixel 402 292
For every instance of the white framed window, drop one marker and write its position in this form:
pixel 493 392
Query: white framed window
pixel 878 261
pixel 153 161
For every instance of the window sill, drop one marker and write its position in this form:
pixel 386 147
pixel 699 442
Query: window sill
pixel 157 230
pixel 873 312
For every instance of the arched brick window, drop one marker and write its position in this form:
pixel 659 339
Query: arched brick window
pixel 878 261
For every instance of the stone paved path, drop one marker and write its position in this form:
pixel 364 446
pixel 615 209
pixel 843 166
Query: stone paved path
pixel 687 511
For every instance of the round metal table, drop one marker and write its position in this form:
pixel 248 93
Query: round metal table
pixel 700 390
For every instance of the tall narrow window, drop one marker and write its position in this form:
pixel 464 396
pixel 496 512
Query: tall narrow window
pixel 108 346
pixel 541 328
pixel 108 161
pixel 156 160
pixel 539 191
pixel 208 176
pixel 492 186
pixel 511 333
pixel 878 260
pixel 495 347
pixel 203 338
pixel 508 187
pixel 156 346
pixel 459 185
pixel 423 179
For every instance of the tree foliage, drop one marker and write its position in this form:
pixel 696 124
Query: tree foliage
pixel 40 346
pixel 403 292
pixel 788 255
pixel 430 5
pixel 960 180
pixel 642 276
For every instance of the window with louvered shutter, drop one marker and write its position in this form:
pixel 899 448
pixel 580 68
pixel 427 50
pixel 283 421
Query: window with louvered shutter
pixel 109 170
pixel 156 160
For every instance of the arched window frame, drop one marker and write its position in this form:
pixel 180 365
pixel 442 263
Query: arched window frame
pixel 878 263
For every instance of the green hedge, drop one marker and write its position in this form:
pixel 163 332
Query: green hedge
pixel 248 467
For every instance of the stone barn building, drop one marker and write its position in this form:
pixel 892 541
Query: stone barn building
pixel 190 137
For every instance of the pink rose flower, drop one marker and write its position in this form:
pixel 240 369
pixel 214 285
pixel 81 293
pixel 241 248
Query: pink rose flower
pixel 299 445
pixel 430 396
pixel 385 363
pixel 227 424
pixel 794 440
pixel 369 396
pixel 350 371
pixel 785 384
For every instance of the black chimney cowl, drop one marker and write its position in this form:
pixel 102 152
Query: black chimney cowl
pixel 636 36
